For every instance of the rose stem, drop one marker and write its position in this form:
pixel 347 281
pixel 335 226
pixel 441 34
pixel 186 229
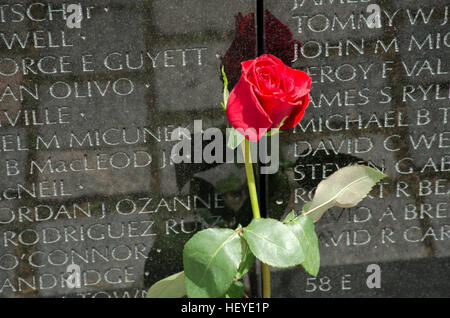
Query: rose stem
pixel 265 269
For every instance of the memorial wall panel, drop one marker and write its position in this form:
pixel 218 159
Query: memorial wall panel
pixel 95 95
pixel 379 96
pixel 87 115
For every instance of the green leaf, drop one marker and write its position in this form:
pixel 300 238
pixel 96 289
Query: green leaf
pixel 277 130
pixel 211 259
pixel 273 131
pixel 236 138
pixel 345 188
pixel 303 228
pixel 289 217
pixel 273 243
pixel 248 259
pixel 282 122
pixel 226 93
pixel 236 290
pixel 169 287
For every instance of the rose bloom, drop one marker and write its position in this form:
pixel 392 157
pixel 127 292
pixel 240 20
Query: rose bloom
pixel 269 94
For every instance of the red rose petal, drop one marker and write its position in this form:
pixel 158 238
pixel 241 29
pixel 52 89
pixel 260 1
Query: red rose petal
pixel 301 82
pixel 247 66
pixel 244 111
pixel 270 58
pixel 276 109
pixel 297 113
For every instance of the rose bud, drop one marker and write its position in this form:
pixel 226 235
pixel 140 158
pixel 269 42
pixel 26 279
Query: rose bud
pixel 268 95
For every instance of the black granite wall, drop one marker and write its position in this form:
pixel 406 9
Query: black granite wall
pixel 86 122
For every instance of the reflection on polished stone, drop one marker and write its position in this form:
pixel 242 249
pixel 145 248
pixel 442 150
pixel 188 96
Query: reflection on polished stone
pixel 86 116
pixel 374 101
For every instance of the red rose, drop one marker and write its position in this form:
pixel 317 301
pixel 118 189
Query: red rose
pixel 267 93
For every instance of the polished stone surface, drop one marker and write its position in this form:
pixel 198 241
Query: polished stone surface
pixel 86 116
pixel 378 104
pixel 94 184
